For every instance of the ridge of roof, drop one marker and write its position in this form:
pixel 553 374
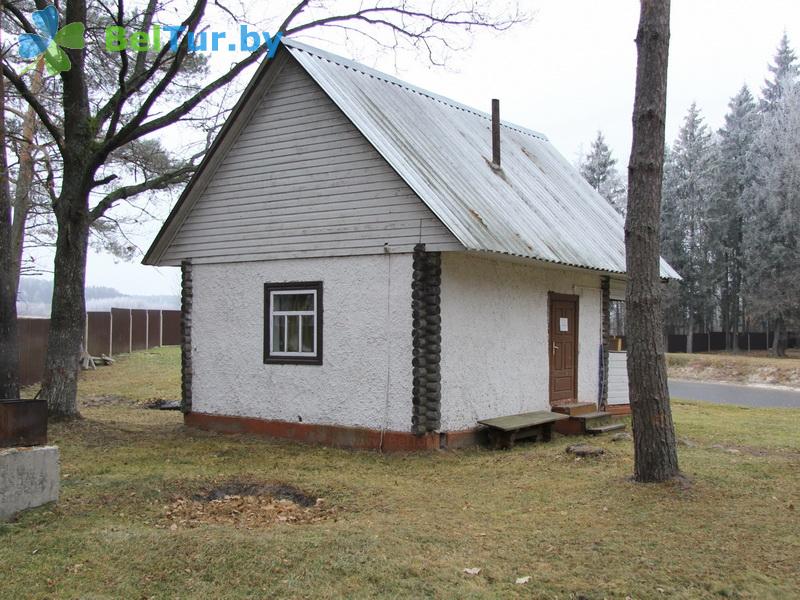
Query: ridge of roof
pixel 358 67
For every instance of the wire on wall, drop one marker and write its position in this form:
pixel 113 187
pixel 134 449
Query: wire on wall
pixel 385 423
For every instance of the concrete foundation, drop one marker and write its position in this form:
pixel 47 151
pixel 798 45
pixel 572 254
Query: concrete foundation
pixel 29 477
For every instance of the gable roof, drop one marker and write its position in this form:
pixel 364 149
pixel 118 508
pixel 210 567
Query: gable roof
pixel 537 206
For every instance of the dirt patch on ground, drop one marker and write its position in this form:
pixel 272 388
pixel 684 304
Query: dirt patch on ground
pixel 162 404
pixel 113 400
pixel 248 505
pixel 108 400
pixel 278 491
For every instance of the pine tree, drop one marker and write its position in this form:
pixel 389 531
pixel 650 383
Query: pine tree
pixel 771 232
pixel 672 249
pixel 655 455
pixel 688 185
pixel 784 69
pixel 598 167
pixel 733 177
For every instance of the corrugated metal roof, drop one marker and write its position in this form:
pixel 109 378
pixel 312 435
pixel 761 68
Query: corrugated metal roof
pixel 537 206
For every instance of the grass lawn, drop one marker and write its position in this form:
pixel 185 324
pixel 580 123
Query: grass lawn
pixel 405 526
pixel 749 367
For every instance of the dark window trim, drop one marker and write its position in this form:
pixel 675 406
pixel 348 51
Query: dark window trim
pixel 292 360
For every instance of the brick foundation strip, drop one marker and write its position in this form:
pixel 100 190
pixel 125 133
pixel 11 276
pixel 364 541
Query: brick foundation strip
pixel 328 435
pixel 337 435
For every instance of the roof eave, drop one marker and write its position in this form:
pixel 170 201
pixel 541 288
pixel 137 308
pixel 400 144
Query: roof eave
pixel 671 273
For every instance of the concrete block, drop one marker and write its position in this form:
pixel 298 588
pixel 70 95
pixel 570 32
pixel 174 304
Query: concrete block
pixel 29 477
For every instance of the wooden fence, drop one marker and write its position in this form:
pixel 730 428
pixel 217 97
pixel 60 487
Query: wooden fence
pixel 715 341
pixel 119 331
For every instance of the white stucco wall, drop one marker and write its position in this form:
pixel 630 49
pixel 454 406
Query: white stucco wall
pixel 495 337
pixel 365 379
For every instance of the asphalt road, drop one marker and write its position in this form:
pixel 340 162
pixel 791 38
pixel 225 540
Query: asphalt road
pixel 744 395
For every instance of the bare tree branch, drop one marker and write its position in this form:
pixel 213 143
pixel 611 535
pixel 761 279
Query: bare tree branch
pixel 460 18
pixel 179 112
pixel 128 131
pixel 22 20
pixel 121 78
pixel 105 180
pixel 158 183
pixel 138 80
pixel 141 58
pixel 31 99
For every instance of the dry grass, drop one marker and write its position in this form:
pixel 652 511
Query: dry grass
pixel 407 525
pixel 752 367
pixel 140 377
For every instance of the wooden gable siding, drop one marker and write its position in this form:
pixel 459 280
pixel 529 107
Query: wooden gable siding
pixel 300 181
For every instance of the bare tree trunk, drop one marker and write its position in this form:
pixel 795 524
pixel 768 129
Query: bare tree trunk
pixel 690 333
pixel 9 350
pixel 22 191
pixel 655 457
pixel 780 341
pixel 736 285
pixel 735 324
pixel 725 303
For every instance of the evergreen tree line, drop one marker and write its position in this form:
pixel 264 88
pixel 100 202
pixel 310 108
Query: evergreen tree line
pixel 730 222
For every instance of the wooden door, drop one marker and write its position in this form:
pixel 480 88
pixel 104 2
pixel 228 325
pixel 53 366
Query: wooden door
pixel 563 349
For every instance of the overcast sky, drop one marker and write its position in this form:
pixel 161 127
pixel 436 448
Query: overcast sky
pixel 570 72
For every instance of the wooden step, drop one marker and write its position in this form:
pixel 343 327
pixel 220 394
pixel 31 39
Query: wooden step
pixel 598 429
pixel 591 416
pixel 588 422
pixel 575 408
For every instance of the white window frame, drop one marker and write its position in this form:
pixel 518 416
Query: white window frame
pixel 292 313
pixel 275 356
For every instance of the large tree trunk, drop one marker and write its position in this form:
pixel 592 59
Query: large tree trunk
pixel 780 341
pixel 655 457
pixel 9 351
pixel 68 310
pixel 67 316
pixel 68 313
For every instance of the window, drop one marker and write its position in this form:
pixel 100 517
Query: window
pixel 293 328
pixel 616 314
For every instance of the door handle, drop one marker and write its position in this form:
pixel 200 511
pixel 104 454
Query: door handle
pixel 555 347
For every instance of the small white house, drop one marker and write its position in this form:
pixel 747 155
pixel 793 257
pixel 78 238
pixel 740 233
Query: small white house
pixel 364 266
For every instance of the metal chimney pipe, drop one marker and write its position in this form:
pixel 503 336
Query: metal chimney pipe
pixel 495 132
